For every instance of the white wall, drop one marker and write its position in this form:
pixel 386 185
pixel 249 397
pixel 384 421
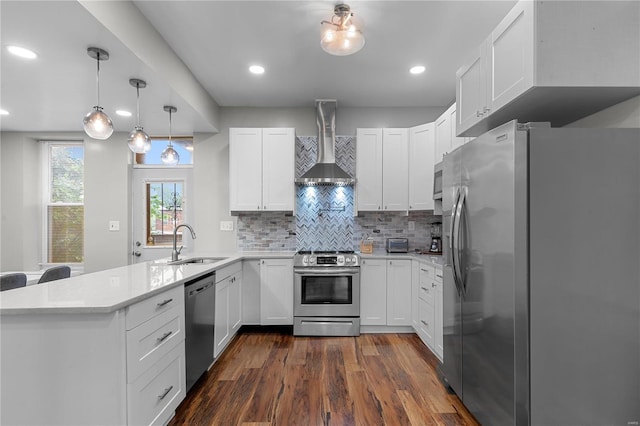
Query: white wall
pixel 107 191
pixel 21 207
pixel 106 198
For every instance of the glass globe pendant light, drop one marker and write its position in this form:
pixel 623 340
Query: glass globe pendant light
pixel 170 156
pixel 96 123
pixel 341 36
pixel 139 141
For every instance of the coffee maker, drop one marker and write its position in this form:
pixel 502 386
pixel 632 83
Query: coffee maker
pixel 436 239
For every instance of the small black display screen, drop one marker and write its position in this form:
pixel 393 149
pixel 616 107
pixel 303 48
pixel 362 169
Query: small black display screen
pixel 327 260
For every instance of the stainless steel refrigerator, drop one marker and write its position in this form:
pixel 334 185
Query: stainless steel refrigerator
pixel 541 231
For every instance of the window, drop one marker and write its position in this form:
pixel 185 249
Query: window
pixel 182 145
pixel 64 203
pixel 164 205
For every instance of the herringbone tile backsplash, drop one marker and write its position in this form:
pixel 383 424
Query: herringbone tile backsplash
pixel 324 214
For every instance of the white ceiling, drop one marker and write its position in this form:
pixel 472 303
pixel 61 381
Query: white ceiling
pixel 218 40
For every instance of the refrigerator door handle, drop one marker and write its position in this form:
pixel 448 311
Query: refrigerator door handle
pixel 461 208
pixel 456 259
pixel 453 242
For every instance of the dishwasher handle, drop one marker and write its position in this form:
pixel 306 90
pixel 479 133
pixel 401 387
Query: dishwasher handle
pixel 200 289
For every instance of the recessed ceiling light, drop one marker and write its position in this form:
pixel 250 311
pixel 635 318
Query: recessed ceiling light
pixel 123 113
pixel 256 69
pixel 418 69
pixel 4 112
pixel 22 52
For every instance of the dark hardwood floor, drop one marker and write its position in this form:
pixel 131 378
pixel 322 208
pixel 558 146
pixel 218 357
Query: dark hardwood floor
pixel 272 378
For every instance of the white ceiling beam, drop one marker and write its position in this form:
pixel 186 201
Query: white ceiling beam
pixel 133 29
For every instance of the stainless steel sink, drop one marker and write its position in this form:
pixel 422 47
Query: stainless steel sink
pixel 198 260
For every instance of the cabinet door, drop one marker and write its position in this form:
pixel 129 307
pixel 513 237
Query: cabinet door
pixel 373 292
pixel 395 169
pixel 443 136
pixel 472 88
pixel 235 303
pixel 245 169
pixel 455 140
pixel 369 169
pixel 399 292
pixel 221 329
pixel 511 55
pixel 251 292
pixel 421 162
pixel 276 292
pixel 278 169
pixel 415 294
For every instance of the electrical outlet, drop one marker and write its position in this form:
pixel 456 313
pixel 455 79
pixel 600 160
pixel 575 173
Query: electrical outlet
pixel 114 225
pixel 412 225
pixel 226 225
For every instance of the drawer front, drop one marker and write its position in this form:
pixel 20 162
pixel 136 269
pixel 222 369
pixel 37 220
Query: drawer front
pixel 426 292
pixel 426 321
pixel 227 271
pixel 155 305
pixel 149 342
pixel 153 398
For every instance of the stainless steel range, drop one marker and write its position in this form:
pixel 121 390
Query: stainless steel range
pixel 326 293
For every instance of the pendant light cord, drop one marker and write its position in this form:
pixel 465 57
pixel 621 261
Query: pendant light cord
pixel 170 129
pixel 138 104
pixel 98 76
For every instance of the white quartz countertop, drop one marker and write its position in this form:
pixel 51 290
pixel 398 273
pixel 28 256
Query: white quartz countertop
pixel 435 260
pixel 113 289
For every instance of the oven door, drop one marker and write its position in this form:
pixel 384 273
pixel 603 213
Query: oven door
pixel 327 292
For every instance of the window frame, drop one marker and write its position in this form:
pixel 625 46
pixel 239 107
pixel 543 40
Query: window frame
pixel 46 198
pixel 137 165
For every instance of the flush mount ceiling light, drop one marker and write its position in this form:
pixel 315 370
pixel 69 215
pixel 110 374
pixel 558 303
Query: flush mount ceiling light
pixel 170 156
pixel 341 36
pixel 139 141
pixel 96 123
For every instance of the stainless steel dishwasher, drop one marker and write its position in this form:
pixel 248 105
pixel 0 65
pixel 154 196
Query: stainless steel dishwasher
pixel 200 302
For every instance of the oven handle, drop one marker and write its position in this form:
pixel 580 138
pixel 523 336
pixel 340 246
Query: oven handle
pixel 326 271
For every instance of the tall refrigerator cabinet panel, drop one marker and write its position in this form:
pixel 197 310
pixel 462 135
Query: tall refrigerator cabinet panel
pixel 542 278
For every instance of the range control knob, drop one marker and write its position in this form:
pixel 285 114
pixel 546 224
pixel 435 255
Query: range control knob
pixel 340 260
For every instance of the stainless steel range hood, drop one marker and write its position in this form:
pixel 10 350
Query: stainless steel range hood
pixel 326 171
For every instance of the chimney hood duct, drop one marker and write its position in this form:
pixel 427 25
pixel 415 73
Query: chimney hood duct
pixel 326 171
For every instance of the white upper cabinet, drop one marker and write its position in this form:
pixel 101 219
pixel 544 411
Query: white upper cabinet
pixel 548 61
pixel 382 169
pixel 445 129
pixel 395 169
pixel 421 160
pixel 369 169
pixel 261 169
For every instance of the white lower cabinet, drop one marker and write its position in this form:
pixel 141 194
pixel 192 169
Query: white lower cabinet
pixel 429 325
pixel 228 313
pixel 251 292
pixel 385 292
pixel 373 292
pixel 439 315
pixel 276 292
pixel 153 398
pixel 399 292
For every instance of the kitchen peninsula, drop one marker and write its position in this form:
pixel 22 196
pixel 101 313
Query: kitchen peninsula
pixel 85 348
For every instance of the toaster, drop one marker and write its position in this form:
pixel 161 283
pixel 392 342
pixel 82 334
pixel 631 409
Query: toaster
pixel 397 245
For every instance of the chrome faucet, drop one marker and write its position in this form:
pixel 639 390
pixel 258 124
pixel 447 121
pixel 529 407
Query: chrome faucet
pixel 175 253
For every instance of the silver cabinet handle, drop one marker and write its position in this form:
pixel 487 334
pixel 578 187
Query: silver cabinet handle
pixel 433 285
pixel 424 322
pixel 164 302
pixel 165 393
pixel 424 288
pixel 478 113
pixel 164 336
